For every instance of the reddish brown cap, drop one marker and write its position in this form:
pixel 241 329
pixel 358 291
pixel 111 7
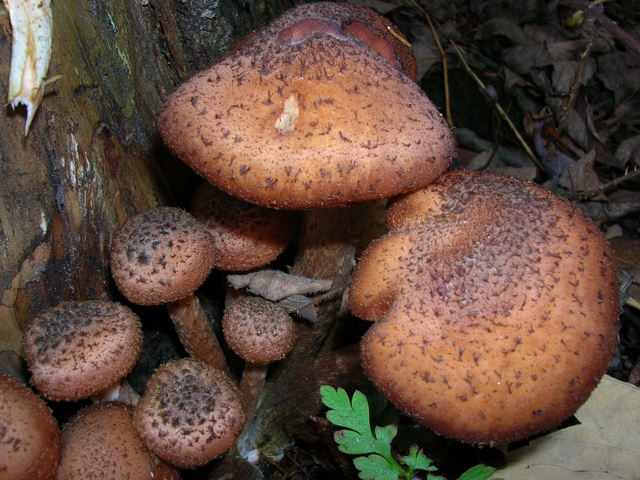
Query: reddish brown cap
pixel 161 255
pixel 77 349
pixel 305 113
pixel 100 443
pixel 189 414
pixel 258 330
pixel 496 306
pixel 29 435
pixel 246 236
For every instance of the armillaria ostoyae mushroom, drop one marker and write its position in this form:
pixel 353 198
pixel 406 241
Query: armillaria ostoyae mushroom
pixel 29 435
pixel 100 442
pixel 260 332
pixel 161 256
pixel 246 236
pixel 307 113
pixel 496 307
pixel 80 349
pixel 190 413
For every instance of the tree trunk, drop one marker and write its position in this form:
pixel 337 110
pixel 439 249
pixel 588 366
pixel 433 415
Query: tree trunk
pixel 92 157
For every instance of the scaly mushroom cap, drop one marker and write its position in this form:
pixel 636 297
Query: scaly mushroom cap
pixel 258 330
pixel 100 443
pixel 312 111
pixel 189 414
pixel 76 349
pixel 498 309
pixel 161 255
pixel 29 435
pixel 246 235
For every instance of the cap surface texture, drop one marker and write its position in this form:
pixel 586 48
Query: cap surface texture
pixel 161 255
pixel 76 349
pixel 305 114
pixel 496 306
pixel 189 414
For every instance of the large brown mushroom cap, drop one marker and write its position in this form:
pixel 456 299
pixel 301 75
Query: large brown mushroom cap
pixel 161 255
pixel 77 349
pixel 305 114
pixel 29 435
pixel 189 414
pixel 100 443
pixel 497 314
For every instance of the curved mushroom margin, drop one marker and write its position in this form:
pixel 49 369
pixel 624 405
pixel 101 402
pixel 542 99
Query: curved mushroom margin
pixel 498 310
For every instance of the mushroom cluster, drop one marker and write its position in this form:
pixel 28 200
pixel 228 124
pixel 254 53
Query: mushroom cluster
pixel 483 297
pixel 495 302
pixel 496 307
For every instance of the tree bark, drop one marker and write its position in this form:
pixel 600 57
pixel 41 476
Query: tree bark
pixel 92 157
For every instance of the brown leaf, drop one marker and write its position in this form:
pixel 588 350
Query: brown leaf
pixel 580 176
pixel 605 445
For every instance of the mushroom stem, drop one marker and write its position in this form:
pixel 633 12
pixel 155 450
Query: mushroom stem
pixel 120 391
pixel 195 333
pixel 251 385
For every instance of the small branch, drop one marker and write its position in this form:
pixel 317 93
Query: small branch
pixel 445 62
pixel 499 109
pixel 595 12
pixel 584 59
pixel 605 186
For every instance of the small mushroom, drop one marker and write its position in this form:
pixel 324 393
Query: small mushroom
pixel 78 349
pixel 189 414
pixel 260 332
pixel 162 256
pixel 496 307
pixel 29 435
pixel 314 110
pixel 245 235
pixel 99 442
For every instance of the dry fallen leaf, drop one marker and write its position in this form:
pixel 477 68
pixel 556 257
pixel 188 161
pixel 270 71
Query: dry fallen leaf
pixel 605 445
pixel 288 290
pixel 275 285
pixel 32 24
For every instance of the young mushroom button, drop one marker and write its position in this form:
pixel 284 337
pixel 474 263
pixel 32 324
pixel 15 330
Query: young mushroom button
pixel 314 110
pixel 160 256
pixel 189 414
pixel 260 332
pixel 246 236
pixel 79 349
pixel 496 306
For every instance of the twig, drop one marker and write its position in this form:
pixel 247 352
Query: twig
pixel 443 57
pixel 500 110
pixel 584 59
pixel 612 183
pixel 594 12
